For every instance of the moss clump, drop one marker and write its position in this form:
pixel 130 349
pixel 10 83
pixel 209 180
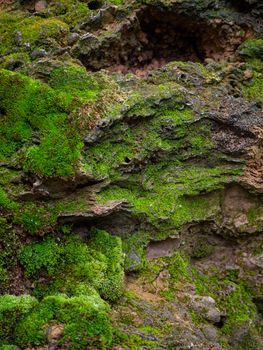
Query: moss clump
pixel 22 33
pixel 239 307
pixel 10 244
pixel 251 49
pixel 96 263
pixel 84 317
pixel 33 108
pixel 85 272
pixel 69 11
pixel 74 83
pixel 12 309
pixel 253 90
pixel 5 202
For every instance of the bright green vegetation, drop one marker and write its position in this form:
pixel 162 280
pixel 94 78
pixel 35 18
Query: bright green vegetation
pixel 77 274
pixel 28 108
pixel 254 89
pixel 166 188
pixel 252 49
pixel 12 309
pixel 22 33
pixel 96 264
pixel 172 193
pixel 10 244
pixel 84 317
pixel 236 301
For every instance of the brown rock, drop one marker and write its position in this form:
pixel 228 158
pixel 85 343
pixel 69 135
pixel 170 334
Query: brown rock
pixel 40 5
pixel 54 332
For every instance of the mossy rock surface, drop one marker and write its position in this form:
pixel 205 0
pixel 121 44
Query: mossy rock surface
pixel 131 175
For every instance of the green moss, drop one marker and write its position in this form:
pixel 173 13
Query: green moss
pixel 172 193
pixel 253 90
pixel 77 269
pixel 251 49
pixel 74 82
pixel 85 319
pixel 32 107
pixel 179 268
pixel 134 248
pixel 70 11
pixel 5 202
pixel 255 216
pixel 202 249
pixel 239 308
pixel 12 309
pixel 235 302
pixel 10 244
pixel 41 256
pixel 32 31
pixel 96 263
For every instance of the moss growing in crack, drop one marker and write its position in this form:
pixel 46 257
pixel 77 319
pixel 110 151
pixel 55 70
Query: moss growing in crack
pixel 134 248
pixel 166 131
pixel 239 308
pixel 10 244
pixel 172 194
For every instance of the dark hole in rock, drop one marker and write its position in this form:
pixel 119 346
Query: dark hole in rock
pixel 153 38
pixel 2 111
pixel 95 5
pixel 242 5
pixel 221 323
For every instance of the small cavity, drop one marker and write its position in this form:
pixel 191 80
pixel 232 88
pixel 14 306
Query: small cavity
pixel 154 38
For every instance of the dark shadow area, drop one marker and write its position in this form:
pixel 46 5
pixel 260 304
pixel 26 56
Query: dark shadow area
pixel 95 5
pixel 243 6
pixel 153 38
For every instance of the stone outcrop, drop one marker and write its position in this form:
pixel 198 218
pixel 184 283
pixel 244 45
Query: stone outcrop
pixel 131 169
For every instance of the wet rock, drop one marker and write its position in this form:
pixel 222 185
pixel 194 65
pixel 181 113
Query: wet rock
pixel 87 43
pixel 133 261
pixel 96 211
pixel 38 53
pixel 54 332
pixel 40 5
pixel 206 307
pixel 210 332
pixel 73 38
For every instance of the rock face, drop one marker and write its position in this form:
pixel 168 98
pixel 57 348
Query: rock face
pixel 131 174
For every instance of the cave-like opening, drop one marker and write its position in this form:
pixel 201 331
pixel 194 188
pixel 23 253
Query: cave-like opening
pixel 156 37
